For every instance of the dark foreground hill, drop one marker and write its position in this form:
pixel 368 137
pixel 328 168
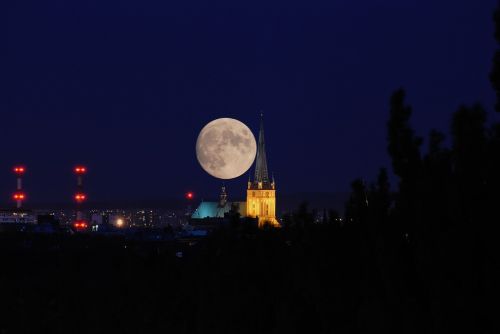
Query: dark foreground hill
pixel 301 279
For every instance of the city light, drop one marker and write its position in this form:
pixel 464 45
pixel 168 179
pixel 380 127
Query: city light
pixel 189 195
pixel 120 222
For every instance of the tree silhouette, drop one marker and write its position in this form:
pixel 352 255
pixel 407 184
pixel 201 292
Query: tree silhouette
pixel 356 209
pixel 469 160
pixel 404 150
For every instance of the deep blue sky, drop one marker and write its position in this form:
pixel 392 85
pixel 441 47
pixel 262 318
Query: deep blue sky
pixel 125 87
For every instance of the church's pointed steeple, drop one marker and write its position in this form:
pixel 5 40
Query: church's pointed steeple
pixel 223 197
pixel 261 173
pixel 261 193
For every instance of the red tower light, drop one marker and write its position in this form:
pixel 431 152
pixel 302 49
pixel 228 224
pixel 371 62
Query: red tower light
pixel 19 196
pixel 80 197
pixel 189 195
pixel 80 224
pixel 80 170
pixel 19 170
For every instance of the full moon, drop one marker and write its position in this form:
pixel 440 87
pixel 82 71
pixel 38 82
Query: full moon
pixel 226 148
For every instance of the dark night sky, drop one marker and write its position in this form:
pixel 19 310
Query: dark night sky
pixel 125 87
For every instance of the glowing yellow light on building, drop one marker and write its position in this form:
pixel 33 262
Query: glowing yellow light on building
pixel 120 222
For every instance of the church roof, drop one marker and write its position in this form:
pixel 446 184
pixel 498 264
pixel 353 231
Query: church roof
pixel 214 210
pixel 261 172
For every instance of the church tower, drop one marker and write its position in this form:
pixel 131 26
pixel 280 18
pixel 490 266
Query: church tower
pixel 261 193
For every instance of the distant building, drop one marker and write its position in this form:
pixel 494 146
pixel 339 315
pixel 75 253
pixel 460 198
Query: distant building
pixel 96 219
pixel 17 216
pixel 218 209
pixel 261 195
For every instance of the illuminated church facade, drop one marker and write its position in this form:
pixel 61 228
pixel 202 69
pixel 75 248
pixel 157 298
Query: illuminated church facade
pixel 261 194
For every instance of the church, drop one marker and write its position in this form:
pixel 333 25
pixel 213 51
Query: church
pixel 261 194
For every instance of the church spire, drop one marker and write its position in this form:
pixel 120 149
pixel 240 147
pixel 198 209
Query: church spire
pixel 223 196
pixel 261 193
pixel 261 173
